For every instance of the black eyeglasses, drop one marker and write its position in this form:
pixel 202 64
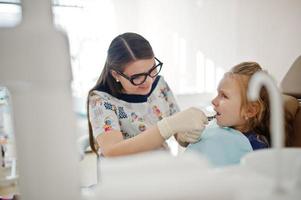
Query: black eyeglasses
pixel 138 79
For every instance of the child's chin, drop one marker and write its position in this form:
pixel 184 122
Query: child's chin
pixel 220 123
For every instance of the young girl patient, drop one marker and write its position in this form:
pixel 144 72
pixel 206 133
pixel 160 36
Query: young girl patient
pixel 240 125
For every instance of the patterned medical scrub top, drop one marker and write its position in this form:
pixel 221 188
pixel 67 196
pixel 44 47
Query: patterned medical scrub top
pixel 130 114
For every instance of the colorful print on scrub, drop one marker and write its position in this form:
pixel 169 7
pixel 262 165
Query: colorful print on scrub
pixel 107 124
pixel 157 112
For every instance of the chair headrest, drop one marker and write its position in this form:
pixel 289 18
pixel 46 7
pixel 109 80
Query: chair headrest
pixel 291 83
pixel 291 104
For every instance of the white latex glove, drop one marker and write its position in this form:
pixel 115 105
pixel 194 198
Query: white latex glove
pixel 190 137
pixel 190 120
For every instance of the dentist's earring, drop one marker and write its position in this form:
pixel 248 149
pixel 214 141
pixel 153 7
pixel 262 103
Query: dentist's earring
pixel 117 81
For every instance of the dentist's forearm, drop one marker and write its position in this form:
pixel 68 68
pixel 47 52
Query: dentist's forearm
pixel 148 140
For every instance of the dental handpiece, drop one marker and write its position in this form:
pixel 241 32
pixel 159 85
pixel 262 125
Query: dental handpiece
pixel 211 117
pixel 209 112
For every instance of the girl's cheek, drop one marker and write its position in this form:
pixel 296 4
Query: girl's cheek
pixel 221 102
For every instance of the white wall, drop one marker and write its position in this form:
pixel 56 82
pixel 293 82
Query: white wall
pixel 225 32
pixel 269 32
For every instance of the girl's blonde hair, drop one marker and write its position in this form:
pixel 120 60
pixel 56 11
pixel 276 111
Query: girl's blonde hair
pixel 261 121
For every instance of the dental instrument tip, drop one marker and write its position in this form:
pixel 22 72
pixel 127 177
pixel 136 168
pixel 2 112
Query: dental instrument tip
pixel 211 117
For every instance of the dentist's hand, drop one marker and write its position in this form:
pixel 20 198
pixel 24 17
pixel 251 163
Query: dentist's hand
pixel 189 137
pixel 191 121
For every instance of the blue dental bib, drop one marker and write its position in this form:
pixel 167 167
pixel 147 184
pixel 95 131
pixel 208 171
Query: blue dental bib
pixel 221 145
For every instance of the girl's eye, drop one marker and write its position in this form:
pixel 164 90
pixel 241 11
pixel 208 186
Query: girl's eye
pixel 223 95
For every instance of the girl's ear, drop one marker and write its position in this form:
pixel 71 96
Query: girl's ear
pixel 251 110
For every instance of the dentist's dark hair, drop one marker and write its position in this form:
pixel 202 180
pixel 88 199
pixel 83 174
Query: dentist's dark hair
pixel 124 49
